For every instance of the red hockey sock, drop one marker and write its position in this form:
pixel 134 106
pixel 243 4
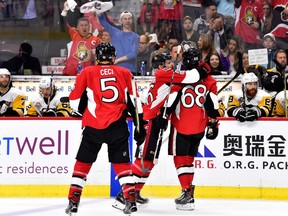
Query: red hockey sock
pixel 79 178
pixel 140 178
pixel 184 170
pixel 125 177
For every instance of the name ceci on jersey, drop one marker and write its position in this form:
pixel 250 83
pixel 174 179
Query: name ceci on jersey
pixel 106 71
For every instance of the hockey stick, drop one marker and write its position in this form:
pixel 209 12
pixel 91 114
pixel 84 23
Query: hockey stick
pixel 144 170
pixel 51 86
pixel 159 142
pixel 239 71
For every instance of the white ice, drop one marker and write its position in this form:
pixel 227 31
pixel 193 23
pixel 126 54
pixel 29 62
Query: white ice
pixel 156 207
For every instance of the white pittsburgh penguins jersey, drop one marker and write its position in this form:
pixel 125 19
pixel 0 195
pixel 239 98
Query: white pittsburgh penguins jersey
pixel 279 106
pixel 262 99
pixel 14 99
pixel 38 105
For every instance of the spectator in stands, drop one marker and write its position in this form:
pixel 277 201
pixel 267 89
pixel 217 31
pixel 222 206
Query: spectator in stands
pixel 173 12
pixel 50 102
pixel 206 45
pixel 189 36
pixel 24 63
pixel 177 58
pixel 215 64
pixel 105 36
pixel 144 54
pixel 226 8
pixel 148 17
pixel 12 100
pixel 201 24
pixel 219 32
pixel 269 42
pixel 164 32
pixel 83 47
pixel 125 40
pixel 279 23
pixel 268 16
pixel 274 80
pixel 258 70
pixel 249 103
pixel 249 15
pixel 230 53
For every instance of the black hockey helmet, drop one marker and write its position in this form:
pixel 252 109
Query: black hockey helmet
pixel 105 52
pixel 191 58
pixel 160 59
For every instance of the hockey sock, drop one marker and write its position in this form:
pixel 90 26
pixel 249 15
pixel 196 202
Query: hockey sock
pixel 185 170
pixel 140 178
pixel 125 177
pixel 79 178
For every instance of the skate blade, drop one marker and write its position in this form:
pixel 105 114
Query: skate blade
pixel 185 207
pixel 118 205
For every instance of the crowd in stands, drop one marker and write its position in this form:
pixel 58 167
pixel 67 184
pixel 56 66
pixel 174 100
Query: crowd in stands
pixel 225 29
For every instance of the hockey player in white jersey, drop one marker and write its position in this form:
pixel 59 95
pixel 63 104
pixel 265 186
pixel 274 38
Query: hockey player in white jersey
pixel 280 108
pixel 249 103
pixel 50 102
pixel 12 100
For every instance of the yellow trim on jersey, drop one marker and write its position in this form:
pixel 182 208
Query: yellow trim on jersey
pixel 148 191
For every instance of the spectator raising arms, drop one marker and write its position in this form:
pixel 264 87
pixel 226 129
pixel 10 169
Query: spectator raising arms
pixel 83 47
pixel 125 41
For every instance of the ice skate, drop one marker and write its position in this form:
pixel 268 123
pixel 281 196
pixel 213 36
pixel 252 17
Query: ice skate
pixel 186 200
pixel 72 208
pixel 141 200
pixel 119 202
pixel 130 204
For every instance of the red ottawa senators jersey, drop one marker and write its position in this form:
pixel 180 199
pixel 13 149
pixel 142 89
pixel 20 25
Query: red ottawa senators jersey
pixel 106 87
pixel 190 117
pixel 159 90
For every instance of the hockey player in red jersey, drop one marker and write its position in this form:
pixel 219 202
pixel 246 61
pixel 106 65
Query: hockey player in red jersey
pixel 156 98
pixel 196 110
pixel 109 91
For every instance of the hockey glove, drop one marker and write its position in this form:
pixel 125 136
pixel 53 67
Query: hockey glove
pixel 11 112
pixel 140 136
pixel 49 113
pixel 253 114
pixel 212 130
pixel 162 122
pixel 241 115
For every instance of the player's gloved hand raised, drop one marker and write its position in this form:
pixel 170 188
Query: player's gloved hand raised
pixel 253 114
pixel 139 136
pixel 203 69
pixel 241 115
pixel 212 130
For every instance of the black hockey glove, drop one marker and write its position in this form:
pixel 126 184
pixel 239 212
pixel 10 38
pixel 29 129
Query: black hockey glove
pixel 49 113
pixel 11 112
pixel 140 136
pixel 162 122
pixel 241 115
pixel 212 130
pixel 253 114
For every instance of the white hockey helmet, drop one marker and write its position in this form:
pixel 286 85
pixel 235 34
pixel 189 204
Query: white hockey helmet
pixel 46 82
pixel 249 77
pixel 4 71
